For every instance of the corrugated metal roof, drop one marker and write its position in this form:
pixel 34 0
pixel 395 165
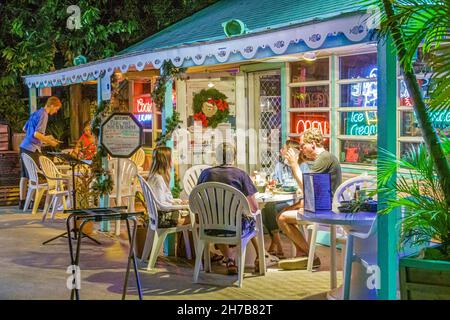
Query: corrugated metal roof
pixel 206 24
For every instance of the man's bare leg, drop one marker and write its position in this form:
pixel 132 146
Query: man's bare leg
pixel 287 221
pixel 23 188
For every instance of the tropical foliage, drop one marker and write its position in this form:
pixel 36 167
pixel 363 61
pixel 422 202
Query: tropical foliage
pixel 411 23
pixel 34 37
pixel 420 194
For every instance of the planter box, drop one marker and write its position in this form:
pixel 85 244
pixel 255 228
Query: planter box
pixel 424 279
pixel 17 139
pixel 9 169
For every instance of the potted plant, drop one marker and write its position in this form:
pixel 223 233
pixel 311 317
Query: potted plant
pixel 423 275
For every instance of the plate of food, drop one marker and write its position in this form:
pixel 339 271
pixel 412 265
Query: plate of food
pixel 286 190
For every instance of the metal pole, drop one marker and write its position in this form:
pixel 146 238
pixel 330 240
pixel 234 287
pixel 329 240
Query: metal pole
pixel 118 193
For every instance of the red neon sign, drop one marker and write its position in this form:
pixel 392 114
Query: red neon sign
pixel 142 104
pixel 303 122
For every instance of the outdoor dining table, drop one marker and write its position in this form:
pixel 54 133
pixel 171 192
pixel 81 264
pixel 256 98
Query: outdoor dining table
pixel 265 198
pixel 333 219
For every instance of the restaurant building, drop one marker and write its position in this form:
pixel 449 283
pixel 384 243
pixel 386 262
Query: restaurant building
pixel 284 68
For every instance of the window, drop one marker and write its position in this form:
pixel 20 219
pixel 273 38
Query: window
pixel 409 132
pixel 309 92
pixel 357 108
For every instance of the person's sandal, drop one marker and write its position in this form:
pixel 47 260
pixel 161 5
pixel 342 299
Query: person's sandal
pixel 231 267
pixel 217 258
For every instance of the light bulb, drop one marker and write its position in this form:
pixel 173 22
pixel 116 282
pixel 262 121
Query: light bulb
pixel 210 85
pixel 310 56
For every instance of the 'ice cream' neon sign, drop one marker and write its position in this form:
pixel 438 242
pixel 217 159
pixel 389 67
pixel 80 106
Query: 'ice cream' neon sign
pixel 362 123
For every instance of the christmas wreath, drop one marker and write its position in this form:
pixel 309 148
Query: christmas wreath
pixel 210 107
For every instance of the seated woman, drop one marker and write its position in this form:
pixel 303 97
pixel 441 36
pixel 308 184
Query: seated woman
pixel 282 173
pixel 159 181
pixel 239 179
pixel 86 147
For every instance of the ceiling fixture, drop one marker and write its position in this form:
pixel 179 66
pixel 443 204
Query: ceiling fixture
pixel 310 56
pixel 210 84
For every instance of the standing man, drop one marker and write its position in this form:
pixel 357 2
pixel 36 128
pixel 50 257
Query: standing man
pixel 35 136
pixel 324 162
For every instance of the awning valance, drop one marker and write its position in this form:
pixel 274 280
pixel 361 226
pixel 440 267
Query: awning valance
pixel 314 35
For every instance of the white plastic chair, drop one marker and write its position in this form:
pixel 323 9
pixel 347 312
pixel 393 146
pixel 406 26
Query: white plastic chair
pixel 190 177
pixel 127 175
pixel 344 192
pixel 221 207
pixel 138 158
pixel 56 193
pixel 155 235
pixel 366 260
pixel 34 187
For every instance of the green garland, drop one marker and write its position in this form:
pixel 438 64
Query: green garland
pixel 171 125
pixel 169 71
pixel 103 183
pixel 212 97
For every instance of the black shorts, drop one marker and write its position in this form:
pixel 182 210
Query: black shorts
pixel 34 155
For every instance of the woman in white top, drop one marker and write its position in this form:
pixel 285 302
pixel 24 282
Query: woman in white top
pixel 159 181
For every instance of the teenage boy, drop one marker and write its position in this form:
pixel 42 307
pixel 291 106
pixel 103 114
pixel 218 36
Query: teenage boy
pixel 35 135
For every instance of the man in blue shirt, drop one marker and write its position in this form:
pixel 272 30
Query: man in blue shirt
pixel 228 174
pixel 35 136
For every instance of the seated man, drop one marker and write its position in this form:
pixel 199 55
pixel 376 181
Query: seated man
pixel 239 179
pixel 281 174
pixel 324 162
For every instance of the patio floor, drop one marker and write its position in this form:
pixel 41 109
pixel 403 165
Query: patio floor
pixel 30 270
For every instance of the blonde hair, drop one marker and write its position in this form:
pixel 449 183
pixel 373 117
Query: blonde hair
pixel 313 136
pixel 53 101
pixel 162 163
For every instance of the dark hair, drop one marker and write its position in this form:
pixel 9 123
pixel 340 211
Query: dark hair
pixel 225 153
pixel 293 144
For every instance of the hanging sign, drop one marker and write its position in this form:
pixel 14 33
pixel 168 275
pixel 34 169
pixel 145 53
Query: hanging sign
pixel 121 135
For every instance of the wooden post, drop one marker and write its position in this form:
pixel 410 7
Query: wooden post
pixel 32 101
pixel 387 140
pixel 101 95
pixel 167 112
pixel 75 103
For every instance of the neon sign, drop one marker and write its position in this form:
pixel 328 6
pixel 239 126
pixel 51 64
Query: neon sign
pixel 303 125
pixel 143 104
pixel 366 91
pixel 144 117
pixel 310 100
pixel 362 123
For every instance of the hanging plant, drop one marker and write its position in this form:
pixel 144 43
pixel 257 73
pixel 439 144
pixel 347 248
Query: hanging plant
pixel 168 72
pixel 210 107
pixel 103 183
pixel 171 125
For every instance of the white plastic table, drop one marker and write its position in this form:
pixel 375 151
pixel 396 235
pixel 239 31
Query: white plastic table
pixel 264 198
pixel 354 220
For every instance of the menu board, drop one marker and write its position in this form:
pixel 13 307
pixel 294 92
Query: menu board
pixel 121 135
pixel 317 191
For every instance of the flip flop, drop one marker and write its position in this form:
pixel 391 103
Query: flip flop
pixel 216 257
